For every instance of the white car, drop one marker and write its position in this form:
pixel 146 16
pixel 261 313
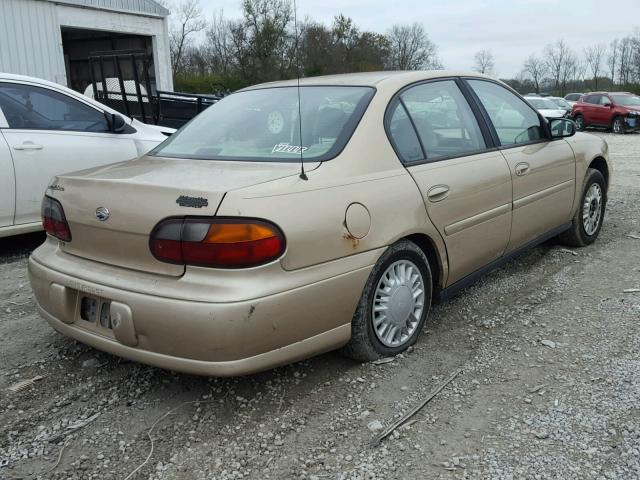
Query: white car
pixel 546 107
pixel 46 130
pixel 561 103
pixel 572 98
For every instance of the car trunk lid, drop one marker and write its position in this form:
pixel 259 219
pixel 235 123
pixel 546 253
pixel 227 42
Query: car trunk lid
pixel 138 194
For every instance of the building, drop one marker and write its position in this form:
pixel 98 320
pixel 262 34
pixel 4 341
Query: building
pixel 53 39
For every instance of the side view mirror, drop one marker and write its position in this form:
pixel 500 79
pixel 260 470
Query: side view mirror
pixel 562 127
pixel 116 123
pixel 610 105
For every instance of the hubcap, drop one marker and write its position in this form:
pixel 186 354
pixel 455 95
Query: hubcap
pixel 398 303
pixel 592 209
pixel 579 123
pixel 617 125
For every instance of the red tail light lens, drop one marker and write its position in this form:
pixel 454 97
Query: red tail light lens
pixel 53 219
pixel 217 242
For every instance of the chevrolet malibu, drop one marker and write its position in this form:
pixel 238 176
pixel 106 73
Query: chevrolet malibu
pixel 287 220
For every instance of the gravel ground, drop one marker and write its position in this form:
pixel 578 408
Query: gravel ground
pixel 550 387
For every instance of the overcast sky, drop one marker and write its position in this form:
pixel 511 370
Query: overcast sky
pixel 511 29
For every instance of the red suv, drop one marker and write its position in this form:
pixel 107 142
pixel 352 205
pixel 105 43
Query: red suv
pixel 618 111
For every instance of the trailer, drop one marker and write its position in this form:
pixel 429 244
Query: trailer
pixel 120 79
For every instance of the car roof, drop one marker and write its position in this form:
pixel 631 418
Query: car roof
pixel 369 79
pixel 609 93
pixel 531 97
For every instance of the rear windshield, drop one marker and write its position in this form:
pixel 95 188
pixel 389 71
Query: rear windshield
pixel 561 102
pixel 542 103
pixel 263 125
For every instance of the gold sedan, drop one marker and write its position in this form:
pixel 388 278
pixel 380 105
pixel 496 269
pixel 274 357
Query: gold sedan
pixel 287 221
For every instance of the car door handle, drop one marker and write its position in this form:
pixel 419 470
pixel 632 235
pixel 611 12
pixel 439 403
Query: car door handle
pixel 437 193
pixel 522 169
pixel 28 146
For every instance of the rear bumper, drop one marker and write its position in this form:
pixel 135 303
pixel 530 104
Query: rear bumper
pixel 201 337
pixel 323 342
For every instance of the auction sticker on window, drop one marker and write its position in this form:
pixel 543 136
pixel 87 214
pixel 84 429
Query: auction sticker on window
pixel 287 148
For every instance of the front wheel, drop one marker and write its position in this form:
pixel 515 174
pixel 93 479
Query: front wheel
pixel 579 121
pixel 587 220
pixel 618 125
pixel 394 304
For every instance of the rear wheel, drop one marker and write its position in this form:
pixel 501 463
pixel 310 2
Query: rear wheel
pixel 394 304
pixel 618 125
pixel 587 221
pixel 579 120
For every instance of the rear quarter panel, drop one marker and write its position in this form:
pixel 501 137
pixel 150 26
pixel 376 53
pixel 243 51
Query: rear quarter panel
pixel 311 212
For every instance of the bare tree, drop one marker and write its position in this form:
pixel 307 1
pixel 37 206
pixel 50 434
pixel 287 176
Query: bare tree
pixel 573 70
pixel 635 56
pixel 535 69
pixel 484 62
pixel 625 63
pixel 522 82
pixel 560 60
pixel 410 48
pixel 219 45
pixel 594 57
pixel 187 22
pixel 581 70
pixel 612 60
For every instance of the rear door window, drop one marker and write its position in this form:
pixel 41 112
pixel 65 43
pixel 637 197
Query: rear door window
pixel 593 99
pixel 403 135
pixel 514 120
pixel 443 119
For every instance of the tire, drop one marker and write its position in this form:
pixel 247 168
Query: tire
pixel 583 231
pixel 579 121
pixel 368 342
pixel 617 126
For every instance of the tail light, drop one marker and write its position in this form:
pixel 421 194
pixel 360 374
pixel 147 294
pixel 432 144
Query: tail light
pixel 53 219
pixel 216 242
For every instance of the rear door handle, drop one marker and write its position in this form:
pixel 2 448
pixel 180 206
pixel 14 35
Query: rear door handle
pixel 522 169
pixel 28 146
pixel 438 192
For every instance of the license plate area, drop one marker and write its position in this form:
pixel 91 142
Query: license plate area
pixel 96 311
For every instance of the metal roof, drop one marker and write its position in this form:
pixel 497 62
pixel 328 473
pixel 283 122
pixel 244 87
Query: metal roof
pixel 142 7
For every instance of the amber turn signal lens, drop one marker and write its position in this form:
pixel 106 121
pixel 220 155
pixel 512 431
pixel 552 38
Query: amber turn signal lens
pixel 238 232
